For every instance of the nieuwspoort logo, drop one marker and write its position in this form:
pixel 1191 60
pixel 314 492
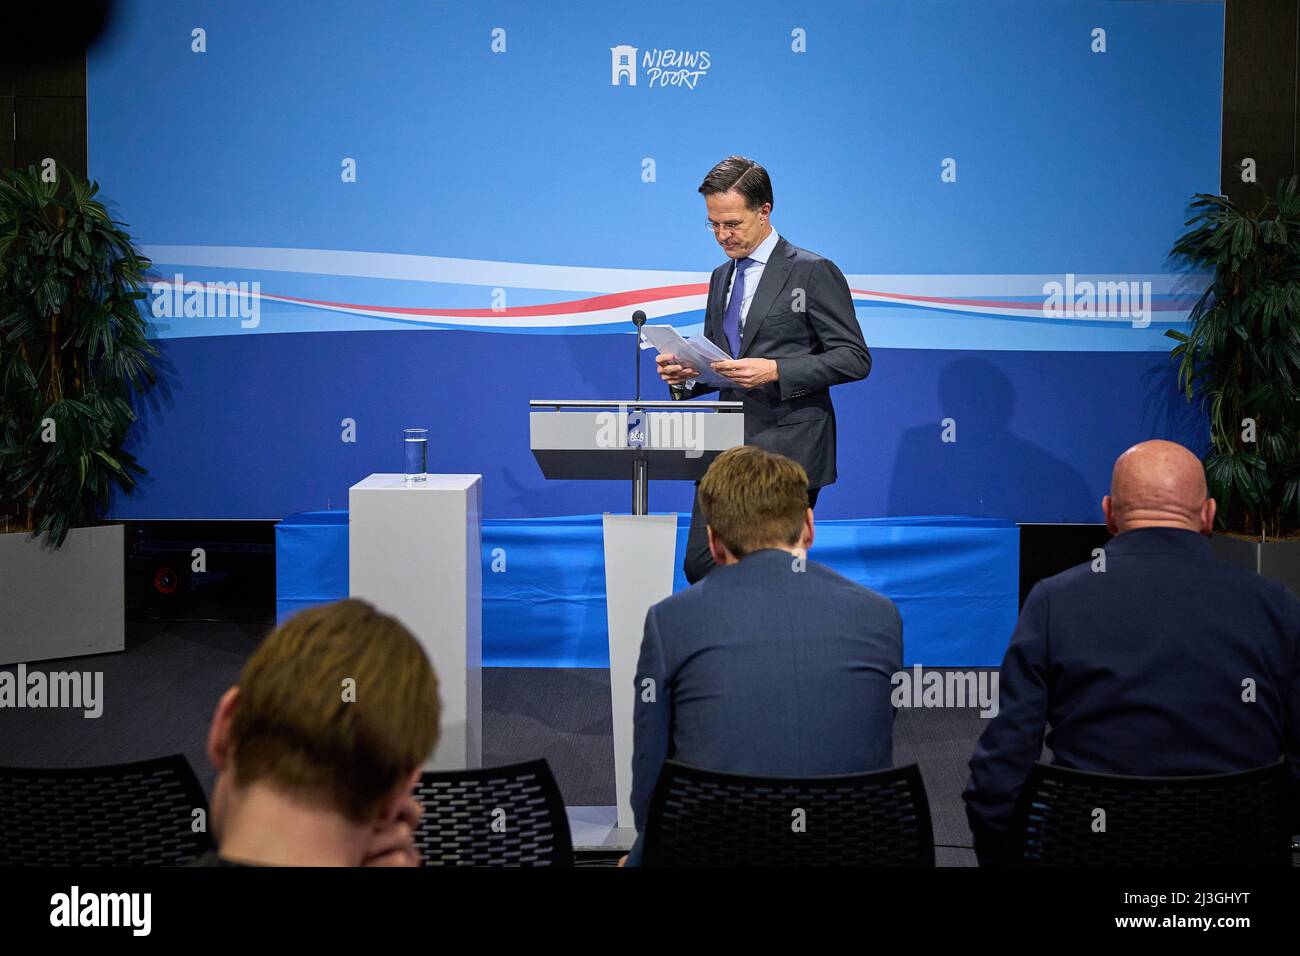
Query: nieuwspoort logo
pixel 658 68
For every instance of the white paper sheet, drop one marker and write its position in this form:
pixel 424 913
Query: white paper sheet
pixel 696 352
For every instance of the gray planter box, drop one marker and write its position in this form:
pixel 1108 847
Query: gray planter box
pixel 1279 560
pixel 65 603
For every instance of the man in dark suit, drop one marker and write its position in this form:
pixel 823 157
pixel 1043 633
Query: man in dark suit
pixel 1153 659
pixel 773 664
pixel 786 316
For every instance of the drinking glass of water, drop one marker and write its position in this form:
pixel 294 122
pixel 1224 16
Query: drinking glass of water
pixel 415 443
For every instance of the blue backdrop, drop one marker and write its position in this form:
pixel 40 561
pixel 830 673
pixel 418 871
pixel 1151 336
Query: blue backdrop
pixel 438 211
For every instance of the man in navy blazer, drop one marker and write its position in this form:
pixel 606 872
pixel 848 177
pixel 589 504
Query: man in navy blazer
pixel 786 316
pixel 773 664
pixel 1153 659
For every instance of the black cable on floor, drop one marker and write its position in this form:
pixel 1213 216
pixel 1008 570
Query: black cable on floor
pixel 195 620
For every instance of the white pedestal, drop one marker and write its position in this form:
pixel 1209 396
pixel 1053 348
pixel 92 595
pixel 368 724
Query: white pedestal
pixel 414 553
pixel 639 556
pixel 62 603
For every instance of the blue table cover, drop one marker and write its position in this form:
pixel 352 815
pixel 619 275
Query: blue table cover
pixel 955 580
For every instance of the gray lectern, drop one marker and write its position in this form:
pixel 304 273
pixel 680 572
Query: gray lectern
pixel 640 441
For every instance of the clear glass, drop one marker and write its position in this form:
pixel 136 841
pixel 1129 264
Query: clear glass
pixel 415 445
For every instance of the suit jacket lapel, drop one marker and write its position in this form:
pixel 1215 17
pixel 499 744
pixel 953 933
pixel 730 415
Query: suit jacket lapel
pixel 773 280
pixel 717 307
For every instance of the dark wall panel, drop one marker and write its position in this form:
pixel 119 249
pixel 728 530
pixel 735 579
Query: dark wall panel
pixel 7 125
pixel 1259 92
pixel 50 127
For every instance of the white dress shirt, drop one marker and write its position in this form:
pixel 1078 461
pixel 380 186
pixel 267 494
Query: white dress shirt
pixel 762 252
pixel 760 255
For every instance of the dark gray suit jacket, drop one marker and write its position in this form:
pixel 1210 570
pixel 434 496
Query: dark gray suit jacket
pixel 814 348
pixel 764 669
pixel 1138 670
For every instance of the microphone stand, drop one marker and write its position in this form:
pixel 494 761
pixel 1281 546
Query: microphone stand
pixel 640 465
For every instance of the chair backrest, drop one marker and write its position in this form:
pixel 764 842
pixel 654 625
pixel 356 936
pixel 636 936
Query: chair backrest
pixel 1067 817
pixel 706 818
pixel 131 814
pixel 495 816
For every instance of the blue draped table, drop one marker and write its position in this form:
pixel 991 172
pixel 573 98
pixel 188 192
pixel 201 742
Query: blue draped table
pixel 955 580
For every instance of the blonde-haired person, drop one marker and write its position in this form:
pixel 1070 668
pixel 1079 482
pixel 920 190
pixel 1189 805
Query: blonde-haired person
pixel 771 664
pixel 320 744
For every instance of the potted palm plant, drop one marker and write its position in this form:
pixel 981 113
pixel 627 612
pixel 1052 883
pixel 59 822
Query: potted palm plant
pixel 1240 358
pixel 73 356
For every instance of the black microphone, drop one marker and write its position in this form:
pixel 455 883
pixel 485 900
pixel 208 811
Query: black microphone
pixel 638 319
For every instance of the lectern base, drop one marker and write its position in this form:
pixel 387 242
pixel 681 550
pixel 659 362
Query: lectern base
pixel 639 555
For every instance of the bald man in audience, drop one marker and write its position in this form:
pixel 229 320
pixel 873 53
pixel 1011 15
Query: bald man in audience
pixel 1152 659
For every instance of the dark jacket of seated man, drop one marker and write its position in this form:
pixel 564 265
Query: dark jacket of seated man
pixel 1140 670
pixel 766 666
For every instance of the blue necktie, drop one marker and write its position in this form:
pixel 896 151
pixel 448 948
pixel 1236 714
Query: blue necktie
pixel 731 320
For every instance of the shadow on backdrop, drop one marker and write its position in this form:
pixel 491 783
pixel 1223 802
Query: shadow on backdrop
pixel 1007 470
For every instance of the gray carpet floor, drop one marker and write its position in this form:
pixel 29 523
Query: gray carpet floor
pixel 160 692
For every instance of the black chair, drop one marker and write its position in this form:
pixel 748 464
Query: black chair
pixel 706 818
pixel 1231 819
pixel 131 814
pixel 495 816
